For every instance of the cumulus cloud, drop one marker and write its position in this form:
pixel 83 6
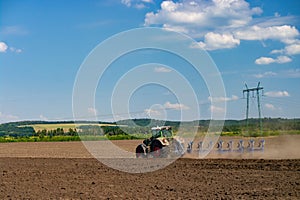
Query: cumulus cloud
pixel 283 59
pixel 219 24
pixel 42 117
pixel 277 94
pixel 126 2
pixel 291 49
pixel 222 99
pixel 162 70
pixel 285 34
pixel 203 14
pixel 13 49
pixel 281 33
pixel 92 111
pixel 265 74
pixel 175 106
pixel 216 109
pixel 3 47
pixel 269 106
pixel 159 111
pixel 213 41
pixel 152 112
pixel 268 60
pixel 7 117
pixel 264 61
pixel 289 73
pixel 139 4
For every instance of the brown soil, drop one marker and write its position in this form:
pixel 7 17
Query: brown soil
pixel 76 178
pixel 65 170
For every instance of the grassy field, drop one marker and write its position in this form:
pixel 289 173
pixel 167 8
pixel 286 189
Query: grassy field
pixel 66 127
pixel 62 138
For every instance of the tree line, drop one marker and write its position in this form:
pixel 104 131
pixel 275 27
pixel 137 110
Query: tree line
pixel 143 126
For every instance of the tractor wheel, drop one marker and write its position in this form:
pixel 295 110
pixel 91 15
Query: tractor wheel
pixel 157 150
pixel 140 151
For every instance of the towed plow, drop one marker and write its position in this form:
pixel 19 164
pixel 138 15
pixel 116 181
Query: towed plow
pixel 163 144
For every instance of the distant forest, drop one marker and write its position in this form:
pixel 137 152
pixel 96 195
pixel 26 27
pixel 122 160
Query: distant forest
pixel 271 126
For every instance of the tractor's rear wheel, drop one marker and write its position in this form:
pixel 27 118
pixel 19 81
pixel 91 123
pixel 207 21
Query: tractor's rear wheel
pixel 140 151
pixel 158 150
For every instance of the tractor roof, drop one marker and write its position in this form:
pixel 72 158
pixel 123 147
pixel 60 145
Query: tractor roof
pixel 161 128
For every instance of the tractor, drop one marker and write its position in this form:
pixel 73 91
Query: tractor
pixel 161 144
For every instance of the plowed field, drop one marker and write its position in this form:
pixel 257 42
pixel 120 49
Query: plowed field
pixel 68 171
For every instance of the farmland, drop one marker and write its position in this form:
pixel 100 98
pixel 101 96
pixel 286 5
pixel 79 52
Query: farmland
pixel 49 168
pixel 66 170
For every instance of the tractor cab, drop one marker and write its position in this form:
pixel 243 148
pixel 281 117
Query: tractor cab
pixel 163 131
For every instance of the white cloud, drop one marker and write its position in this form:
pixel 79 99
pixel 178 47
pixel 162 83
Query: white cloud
pixel 147 1
pixel 42 117
pixel 270 106
pixel 216 109
pixel 175 28
pixel 222 99
pixel 283 59
pixel 222 24
pixel 276 14
pixel 7 117
pixel 126 2
pixel 264 61
pixel 175 106
pixel 276 51
pixel 161 109
pixel 13 49
pixel 293 49
pixel 13 30
pixel 162 70
pixel 291 73
pixel 255 32
pixel 139 4
pixel 265 74
pixel 290 49
pixel 152 112
pixel 277 94
pixel 203 14
pixel 3 47
pixel 92 111
pixel 213 41
pixel 268 60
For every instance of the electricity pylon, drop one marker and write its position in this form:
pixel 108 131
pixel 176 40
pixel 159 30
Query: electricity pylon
pixel 253 90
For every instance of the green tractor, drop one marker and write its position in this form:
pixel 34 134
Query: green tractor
pixel 161 144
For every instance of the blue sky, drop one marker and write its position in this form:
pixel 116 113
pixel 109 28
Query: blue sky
pixel 44 43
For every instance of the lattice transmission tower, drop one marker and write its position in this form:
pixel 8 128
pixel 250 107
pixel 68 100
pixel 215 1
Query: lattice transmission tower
pixel 255 94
